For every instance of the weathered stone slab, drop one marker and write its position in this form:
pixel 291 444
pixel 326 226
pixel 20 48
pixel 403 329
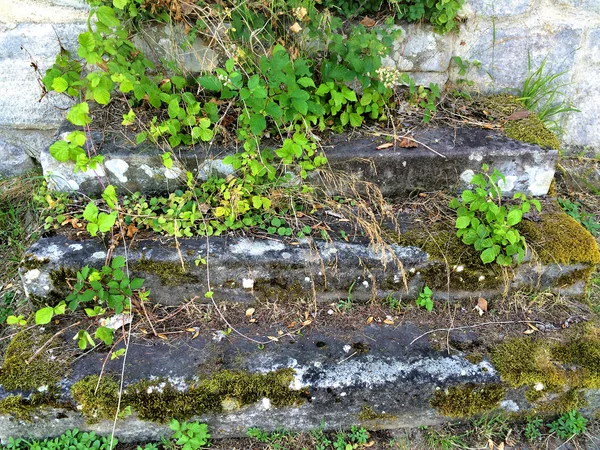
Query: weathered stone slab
pixel 334 383
pixel 396 171
pixel 247 269
pixel 170 43
pixel 20 105
pixel 13 161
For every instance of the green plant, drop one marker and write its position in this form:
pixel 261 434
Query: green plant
pixel 532 429
pixel 392 302
pixel 425 299
pixel 345 304
pixel 483 222
pixel 149 446
pixel 583 217
pixel 190 436
pixel 421 96
pixel 568 425
pixel 543 94
pixel 6 305
pixel 71 440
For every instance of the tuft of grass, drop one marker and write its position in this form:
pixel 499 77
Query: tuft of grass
pixel 542 93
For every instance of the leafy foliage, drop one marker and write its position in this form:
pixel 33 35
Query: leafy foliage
pixel 190 436
pixel 425 299
pixel 72 440
pixel 483 222
pixel 568 425
pixel 583 217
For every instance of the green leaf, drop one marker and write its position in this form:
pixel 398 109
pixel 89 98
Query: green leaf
pixel 59 84
pixel 174 108
pixel 136 283
pixel 488 255
pixel 120 3
pixel 514 217
pixel 306 82
pixel 92 228
pixel 110 196
pixel 60 151
pixel 44 315
pixel 356 120
pixel 463 222
pixel 79 114
pixel 257 124
pixel 211 82
pixel 90 213
pixel 106 221
pixel 101 96
pixel 105 334
pixel 106 15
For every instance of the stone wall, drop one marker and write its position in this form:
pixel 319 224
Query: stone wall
pixel 501 34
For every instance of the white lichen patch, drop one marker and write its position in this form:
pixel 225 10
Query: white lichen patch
pixel 118 168
pixel 509 184
pixel 467 176
pixel 251 248
pixel 509 405
pixel 540 179
pixel 476 156
pixel 248 283
pixel 371 372
pixel 31 275
pixel 147 170
pixel 265 403
pixel 99 255
pixel 173 173
pixel 75 247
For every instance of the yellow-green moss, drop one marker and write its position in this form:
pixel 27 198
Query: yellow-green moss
pixel 442 245
pixel 526 362
pixel 159 401
pixel 23 408
pixel 583 352
pixel 97 396
pixel 468 400
pixel 169 273
pixel 558 238
pixel 367 413
pixel 529 129
pixel 474 358
pixel 17 406
pixel 568 401
pixel 15 373
pixel 31 262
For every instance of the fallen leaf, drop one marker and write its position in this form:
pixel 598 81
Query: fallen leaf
pixel 369 320
pixel 491 444
pixel 423 194
pixel 296 28
pixel 293 324
pixel 388 321
pixel 501 446
pixel 299 214
pixel 481 306
pixel 162 336
pixel 249 312
pixel 306 323
pixel 407 143
pixel 191 330
pixel 369 444
pixel 386 145
pixel 518 115
pixel 530 331
pixel 131 230
pixel 273 338
pixel 252 320
pixel 280 333
pixel 367 22
pixel 534 328
pixel 300 12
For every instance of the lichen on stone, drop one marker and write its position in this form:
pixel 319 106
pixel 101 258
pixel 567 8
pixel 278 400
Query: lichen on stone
pixel 467 400
pixel 44 370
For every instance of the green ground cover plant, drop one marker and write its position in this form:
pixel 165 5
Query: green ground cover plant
pixel 488 225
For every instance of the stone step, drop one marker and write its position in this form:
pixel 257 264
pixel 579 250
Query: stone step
pixel 245 269
pixel 445 159
pixel 378 376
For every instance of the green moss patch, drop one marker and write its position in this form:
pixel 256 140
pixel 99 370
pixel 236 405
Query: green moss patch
pixel 368 413
pixel 23 408
pixel 560 239
pixel 468 400
pixel 169 273
pixel 548 367
pixel 160 401
pixel 466 270
pixel 529 129
pixel 45 370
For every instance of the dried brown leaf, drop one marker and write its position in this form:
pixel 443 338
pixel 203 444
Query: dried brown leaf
pixel 367 22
